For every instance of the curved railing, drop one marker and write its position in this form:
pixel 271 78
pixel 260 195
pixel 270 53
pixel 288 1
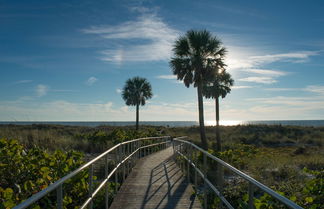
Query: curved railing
pixel 126 154
pixel 188 151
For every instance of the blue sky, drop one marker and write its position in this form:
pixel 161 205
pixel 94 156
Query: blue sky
pixel 69 60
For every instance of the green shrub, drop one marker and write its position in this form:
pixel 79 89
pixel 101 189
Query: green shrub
pixel 25 172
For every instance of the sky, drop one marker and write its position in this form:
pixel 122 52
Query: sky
pixel 69 60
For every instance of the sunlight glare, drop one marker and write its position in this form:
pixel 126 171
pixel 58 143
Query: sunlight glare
pixel 223 122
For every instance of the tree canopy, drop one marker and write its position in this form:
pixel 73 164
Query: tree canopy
pixel 136 91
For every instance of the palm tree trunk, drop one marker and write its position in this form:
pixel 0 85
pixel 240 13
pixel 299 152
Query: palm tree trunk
pixel 218 139
pixel 137 116
pixel 201 117
pixel 220 169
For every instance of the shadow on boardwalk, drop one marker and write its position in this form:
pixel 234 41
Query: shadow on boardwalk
pixel 156 182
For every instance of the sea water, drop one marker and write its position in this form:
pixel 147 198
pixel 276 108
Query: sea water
pixel 315 123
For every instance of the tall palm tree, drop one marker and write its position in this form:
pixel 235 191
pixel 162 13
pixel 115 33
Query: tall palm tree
pixel 135 92
pixel 219 86
pixel 197 56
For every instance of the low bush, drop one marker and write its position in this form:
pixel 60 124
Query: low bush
pixel 24 172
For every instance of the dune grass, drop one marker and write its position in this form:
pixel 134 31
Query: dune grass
pixel 80 138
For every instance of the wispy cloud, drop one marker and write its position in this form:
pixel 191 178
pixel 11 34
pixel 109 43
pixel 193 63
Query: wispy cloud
pixel 262 75
pixel 282 89
pixel 63 90
pixel 172 78
pixel 168 77
pixel 259 61
pixel 41 90
pixel 304 102
pixel 264 80
pixel 242 87
pixel 91 81
pixel 266 72
pixel 272 108
pixel 315 89
pixel 23 81
pixel 119 91
pixel 300 56
pixel 154 39
pixel 250 68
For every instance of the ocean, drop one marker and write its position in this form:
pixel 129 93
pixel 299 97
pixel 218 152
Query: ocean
pixel 315 123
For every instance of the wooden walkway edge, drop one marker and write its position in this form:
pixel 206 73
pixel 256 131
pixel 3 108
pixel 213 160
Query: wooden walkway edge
pixel 156 182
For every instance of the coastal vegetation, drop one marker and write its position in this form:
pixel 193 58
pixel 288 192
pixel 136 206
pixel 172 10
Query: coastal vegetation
pixel 24 172
pixel 135 93
pixel 91 140
pixel 289 159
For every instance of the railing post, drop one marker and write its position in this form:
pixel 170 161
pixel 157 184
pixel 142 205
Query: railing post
pixel 138 150
pixel 133 150
pixel 173 147
pixel 131 158
pixel 251 195
pixel 134 155
pixel 59 196
pixel 129 161
pixel 195 159
pixel 91 186
pixel 178 155
pixel 196 175
pixel 107 183
pixel 188 157
pixel 180 150
pixel 205 177
pixel 116 163
pixel 124 166
pixel 145 151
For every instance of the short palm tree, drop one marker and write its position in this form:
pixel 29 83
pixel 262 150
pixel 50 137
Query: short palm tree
pixel 135 92
pixel 219 86
pixel 197 56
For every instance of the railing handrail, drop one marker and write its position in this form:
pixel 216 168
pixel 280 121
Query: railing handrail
pixel 59 182
pixel 248 178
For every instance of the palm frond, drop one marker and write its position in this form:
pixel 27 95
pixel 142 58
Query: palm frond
pixel 218 86
pixel 136 91
pixel 197 56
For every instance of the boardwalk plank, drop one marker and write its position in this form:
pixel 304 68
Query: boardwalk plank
pixel 156 182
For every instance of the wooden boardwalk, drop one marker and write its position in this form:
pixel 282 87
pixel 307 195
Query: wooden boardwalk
pixel 156 182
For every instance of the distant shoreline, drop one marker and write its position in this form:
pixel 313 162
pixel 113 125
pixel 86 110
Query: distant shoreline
pixel 303 123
